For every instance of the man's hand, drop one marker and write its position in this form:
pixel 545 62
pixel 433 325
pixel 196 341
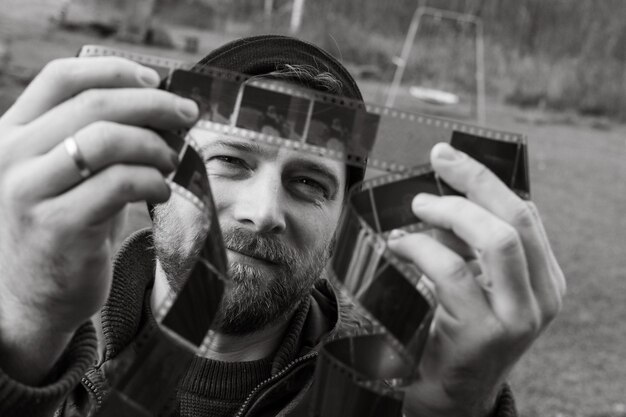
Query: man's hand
pixel 493 304
pixel 56 226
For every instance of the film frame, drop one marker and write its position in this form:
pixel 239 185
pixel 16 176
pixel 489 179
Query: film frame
pixel 144 384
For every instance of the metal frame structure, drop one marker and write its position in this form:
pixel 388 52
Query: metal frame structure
pixel 409 40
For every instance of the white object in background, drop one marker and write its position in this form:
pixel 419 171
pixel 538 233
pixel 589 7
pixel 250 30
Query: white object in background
pixel 430 95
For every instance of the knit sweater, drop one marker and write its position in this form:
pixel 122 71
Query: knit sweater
pixel 214 388
pixel 209 388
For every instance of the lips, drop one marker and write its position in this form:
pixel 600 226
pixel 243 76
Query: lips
pixel 254 255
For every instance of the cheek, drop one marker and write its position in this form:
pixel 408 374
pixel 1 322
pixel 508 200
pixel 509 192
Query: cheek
pixel 179 222
pixel 315 228
pixel 224 194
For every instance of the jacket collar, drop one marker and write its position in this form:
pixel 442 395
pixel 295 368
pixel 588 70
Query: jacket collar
pixel 327 313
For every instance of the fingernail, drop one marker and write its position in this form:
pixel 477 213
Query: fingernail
pixel 423 199
pixel 148 77
pixel 445 152
pixel 187 108
pixel 396 234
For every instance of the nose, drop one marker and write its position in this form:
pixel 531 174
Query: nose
pixel 258 205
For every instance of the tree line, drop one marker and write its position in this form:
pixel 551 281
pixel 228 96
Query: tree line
pixel 559 28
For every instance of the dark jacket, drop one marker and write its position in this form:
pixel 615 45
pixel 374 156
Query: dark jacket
pixel 286 393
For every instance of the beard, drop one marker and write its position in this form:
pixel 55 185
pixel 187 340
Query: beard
pixel 257 296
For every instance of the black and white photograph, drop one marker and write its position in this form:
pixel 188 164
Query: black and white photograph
pixel 298 208
pixel 331 126
pixel 272 113
pixel 216 97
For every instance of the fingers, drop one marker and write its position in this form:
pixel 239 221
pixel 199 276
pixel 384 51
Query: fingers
pixel 550 301
pixel 102 144
pixel 139 107
pixel 64 78
pixel 453 242
pixel 471 178
pixel 498 246
pixel 556 270
pixel 95 201
pixel 457 290
pixel 483 187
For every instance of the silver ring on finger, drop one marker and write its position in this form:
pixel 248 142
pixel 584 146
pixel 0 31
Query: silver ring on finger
pixel 71 146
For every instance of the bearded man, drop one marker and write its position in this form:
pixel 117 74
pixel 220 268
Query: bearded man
pixel 80 144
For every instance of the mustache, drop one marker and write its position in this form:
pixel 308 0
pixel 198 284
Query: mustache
pixel 267 247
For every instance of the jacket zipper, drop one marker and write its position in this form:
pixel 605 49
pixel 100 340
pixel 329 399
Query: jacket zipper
pixel 91 387
pixel 271 379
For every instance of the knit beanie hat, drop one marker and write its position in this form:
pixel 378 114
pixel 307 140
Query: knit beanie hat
pixel 259 55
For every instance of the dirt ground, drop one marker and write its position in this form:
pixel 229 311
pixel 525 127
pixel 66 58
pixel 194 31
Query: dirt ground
pixel 578 367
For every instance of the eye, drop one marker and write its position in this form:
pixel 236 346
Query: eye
pixel 226 165
pixel 229 160
pixel 312 188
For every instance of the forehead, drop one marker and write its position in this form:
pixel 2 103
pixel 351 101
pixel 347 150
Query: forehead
pixel 209 142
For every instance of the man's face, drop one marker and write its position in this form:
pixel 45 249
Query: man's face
pixel 278 210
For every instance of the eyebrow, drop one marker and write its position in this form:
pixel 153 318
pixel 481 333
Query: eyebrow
pixel 250 147
pixel 238 146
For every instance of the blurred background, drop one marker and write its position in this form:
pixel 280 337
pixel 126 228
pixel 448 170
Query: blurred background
pixel 554 70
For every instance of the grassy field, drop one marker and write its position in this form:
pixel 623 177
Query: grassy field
pixel 578 368
pixel 578 177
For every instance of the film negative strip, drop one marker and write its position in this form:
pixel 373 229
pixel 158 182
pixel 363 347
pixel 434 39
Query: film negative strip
pixel 163 66
pixel 198 299
pixel 382 139
pixel 144 383
pixel 357 374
